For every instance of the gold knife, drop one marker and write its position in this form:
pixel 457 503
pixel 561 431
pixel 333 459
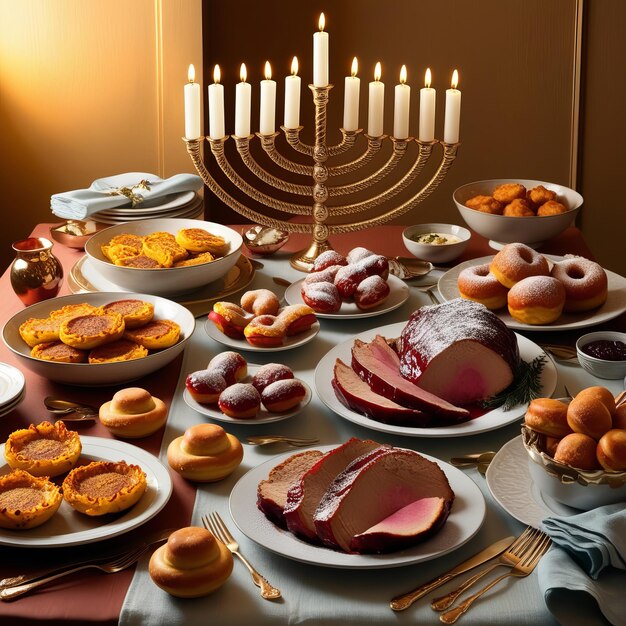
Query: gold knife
pixel 399 603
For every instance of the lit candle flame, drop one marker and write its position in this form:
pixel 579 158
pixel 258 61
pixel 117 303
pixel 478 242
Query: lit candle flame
pixel 455 79
pixel 191 73
pixel 294 66
pixel 378 72
pixel 322 22
pixel 217 74
pixel 403 75
pixel 355 67
pixel 428 79
pixel 243 73
pixel 268 70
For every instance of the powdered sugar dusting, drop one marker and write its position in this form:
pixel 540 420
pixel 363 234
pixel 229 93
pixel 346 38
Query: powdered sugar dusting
pixel 270 373
pixel 520 259
pixel 537 291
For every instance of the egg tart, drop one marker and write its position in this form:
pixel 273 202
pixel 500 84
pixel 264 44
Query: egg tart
pixel 120 350
pixel 163 248
pixel 43 449
pixel 27 501
pixel 198 259
pixel 59 352
pixel 135 312
pixel 104 487
pixel 200 240
pixel 34 331
pixel 90 331
pixel 155 335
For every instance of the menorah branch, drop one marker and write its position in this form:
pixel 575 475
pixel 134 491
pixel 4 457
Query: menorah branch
pixel 268 142
pixel 374 145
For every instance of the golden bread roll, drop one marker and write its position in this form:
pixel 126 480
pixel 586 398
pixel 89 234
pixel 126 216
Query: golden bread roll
pixel 548 416
pixel 133 413
pixel 619 419
pixel 611 450
pixel 602 394
pixel 589 416
pixel 577 450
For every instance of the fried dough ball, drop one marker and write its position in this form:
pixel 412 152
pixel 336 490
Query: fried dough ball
pixel 540 195
pixel 508 192
pixel 552 207
pixel 485 204
pixel 520 207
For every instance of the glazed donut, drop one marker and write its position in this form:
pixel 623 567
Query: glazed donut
pixel 241 401
pixel 283 395
pixel 552 207
pixel 589 416
pixel 348 278
pixel 517 261
pixel 508 192
pixel 327 275
pixel 133 413
pixel 191 564
pixel 322 297
pixel 298 318
pixel 230 318
pixel 205 386
pixel 327 259
pixel 477 283
pixel 266 331
pixel 599 394
pixel 548 416
pixel 611 450
pixel 357 254
pixel 231 365
pixel 577 450
pixel 270 373
pixel 585 283
pixel 520 207
pixel 371 292
pixel 206 453
pixel 536 300
pixel 260 302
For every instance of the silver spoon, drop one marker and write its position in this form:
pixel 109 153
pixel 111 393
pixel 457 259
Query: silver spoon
pixel 66 408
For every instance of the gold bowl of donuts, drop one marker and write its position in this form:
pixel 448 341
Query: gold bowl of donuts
pixel 507 210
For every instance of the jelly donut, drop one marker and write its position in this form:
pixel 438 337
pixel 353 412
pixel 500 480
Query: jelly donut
pixel 283 395
pixel 298 318
pixel 231 365
pixel 589 416
pixel 327 259
pixel 270 373
pixel 358 254
pixel 477 283
pixel 548 416
pixel 205 386
pixel 240 401
pixel 517 261
pixel 585 283
pixel 577 450
pixel 322 297
pixel 327 275
pixel 536 300
pixel 260 302
pixel 371 292
pixel 611 450
pixel 230 318
pixel 266 331
pixel 348 278
pixel 375 265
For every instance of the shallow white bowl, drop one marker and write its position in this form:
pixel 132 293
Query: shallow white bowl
pixel 599 367
pixel 163 281
pixel 435 253
pixel 505 229
pixel 100 374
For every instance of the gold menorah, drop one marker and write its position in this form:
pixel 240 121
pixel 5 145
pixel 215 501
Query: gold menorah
pixel 320 172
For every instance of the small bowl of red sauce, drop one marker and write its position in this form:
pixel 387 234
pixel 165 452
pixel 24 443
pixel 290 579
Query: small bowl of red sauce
pixel 603 354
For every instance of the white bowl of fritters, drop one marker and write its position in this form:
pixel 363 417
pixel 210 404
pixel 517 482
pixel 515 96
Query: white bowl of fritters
pixel 163 281
pixel 98 374
pixel 532 230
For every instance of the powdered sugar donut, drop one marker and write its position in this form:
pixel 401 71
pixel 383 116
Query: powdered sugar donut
pixel 241 401
pixel 205 386
pixel 585 283
pixel 327 275
pixel 322 297
pixel 477 283
pixel 231 365
pixel 260 302
pixel 348 278
pixel 266 331
pixel 297 318
pixel 537 300
pixel 517 261
pixel 328 258
pixel 358 254
pixel 375 265
pixel 230 318
pixel 283 395
pixel 270 373
pixel 371 292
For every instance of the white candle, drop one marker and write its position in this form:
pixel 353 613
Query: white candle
pixel 320 55
pixel 192 106
pixel 428 98
pixel 292 97
pixel 243 98
pixel 267 120
pixel 376 108
pixel 352 90
pixel 453 111
pixel 216 106
pixel 402 105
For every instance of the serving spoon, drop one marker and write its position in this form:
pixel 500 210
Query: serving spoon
pixel 65 408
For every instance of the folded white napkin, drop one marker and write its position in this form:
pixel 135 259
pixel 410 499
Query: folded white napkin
pixel 588 556
pixel 82 203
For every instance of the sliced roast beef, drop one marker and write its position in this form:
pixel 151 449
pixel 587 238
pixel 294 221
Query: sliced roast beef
pixel 372 488
pixel 272 492
pixel 379 366
pixel 459 351
pixel 305 494
pixel 357 395
pixel 411 524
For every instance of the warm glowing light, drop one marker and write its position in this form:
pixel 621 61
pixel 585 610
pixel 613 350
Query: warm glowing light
pixel 355 67
pixel 455 79
pixel 217 74
pixel 428 79
pixel 191 73
pixel 378 72
pixel 403 75
pixel 322 22
pixel 294 66
pixel 243 73
pixel 268 70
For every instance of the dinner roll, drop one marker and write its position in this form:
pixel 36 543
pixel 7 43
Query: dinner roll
pixel 589 416
pixel 548 416
pixel 599 393
pixel 577 450
pixel 133 413
pixel 611 450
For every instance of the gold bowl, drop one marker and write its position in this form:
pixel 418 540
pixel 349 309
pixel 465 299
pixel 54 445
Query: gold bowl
pixel 74 233
pixel 263 240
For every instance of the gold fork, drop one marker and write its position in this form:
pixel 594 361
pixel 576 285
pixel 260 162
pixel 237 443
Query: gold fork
pixel 528 563
pixel 214 523
pixel 261 440
pixel 513 555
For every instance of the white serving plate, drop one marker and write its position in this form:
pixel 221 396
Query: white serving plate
pixel 11 384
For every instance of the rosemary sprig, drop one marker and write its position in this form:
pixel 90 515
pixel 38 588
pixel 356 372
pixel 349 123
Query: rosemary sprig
pixel 526 386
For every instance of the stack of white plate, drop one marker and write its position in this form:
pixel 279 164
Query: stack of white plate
pixel 184 204
pixel 12 388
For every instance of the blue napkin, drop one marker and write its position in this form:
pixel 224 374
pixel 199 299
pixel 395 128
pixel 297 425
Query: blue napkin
pixel 589 556
pixel 81 203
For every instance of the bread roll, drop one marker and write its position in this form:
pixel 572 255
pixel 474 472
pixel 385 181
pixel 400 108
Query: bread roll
pixel 577 450
pixel 611 450
pixel 589 415
pixel 133 413
pixel 602 394
pixel 548 416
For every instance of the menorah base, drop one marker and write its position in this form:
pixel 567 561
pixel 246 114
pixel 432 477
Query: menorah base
pixel 303 260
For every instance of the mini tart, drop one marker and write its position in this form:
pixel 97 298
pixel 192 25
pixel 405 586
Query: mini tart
pixel 141 261
pixel 198 259
pixel 34 331
pixel 135 312
pixel 59 352
pixel 163 248
pixel 73 310
pixel 200 240
pixel 90 331
pixel 120 350
pixel 43 449
pixel 104 487
pixel 155 335
pixel 27 501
